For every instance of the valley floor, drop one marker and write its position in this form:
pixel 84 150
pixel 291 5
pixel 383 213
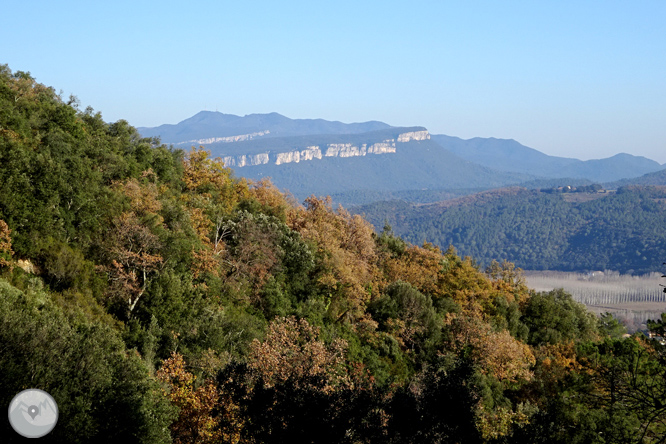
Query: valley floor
pixel 632 299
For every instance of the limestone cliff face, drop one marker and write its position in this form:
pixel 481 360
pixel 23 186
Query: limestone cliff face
pixel 344 150
pixel 414 135
pixel 311 152
pixel 229 139
pixel 382 148
pixel 330 150
pixel 245 160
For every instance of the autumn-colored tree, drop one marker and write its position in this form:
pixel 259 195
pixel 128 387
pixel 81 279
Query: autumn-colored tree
pixel 132 247
pixel 134 258
pixel 142 197
pixel 211 192
pixel 347 256
pixel 422 267
pixel 254 247
pixel 196 423
pixel 273 201
pixel 292 350
pixel 5 245
pixel 499 356
pixel 497 353
pixel 508 280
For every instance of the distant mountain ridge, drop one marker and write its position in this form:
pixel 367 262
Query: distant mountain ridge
pixel 212 124
pixel 416 164
pixel 373 158
pixel 509 155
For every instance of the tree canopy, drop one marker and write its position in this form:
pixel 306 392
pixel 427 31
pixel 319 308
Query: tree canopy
pixel 161 299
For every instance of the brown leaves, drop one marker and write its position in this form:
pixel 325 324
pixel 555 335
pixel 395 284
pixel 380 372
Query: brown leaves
pixel 5 245
pixel 210 196
pixel 209 181
pixel 133 259
pixel 292 349
pixel 509 280
pixel 132 247
pixel 272 199
pixel 143 198
pixel 255 251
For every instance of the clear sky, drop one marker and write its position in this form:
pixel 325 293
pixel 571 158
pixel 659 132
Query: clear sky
pixel 583 79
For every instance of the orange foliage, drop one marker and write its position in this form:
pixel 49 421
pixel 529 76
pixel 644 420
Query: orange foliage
pixel 441 275
pixel 143 197
pixel 421 267
pixel 195 423
pixel 211 181
pixel 555 361
pixel 271 198
pixel 508 280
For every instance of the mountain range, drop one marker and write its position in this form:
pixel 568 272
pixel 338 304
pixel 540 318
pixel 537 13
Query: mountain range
pixel 211 125
pixel 361 162
pixel 509 155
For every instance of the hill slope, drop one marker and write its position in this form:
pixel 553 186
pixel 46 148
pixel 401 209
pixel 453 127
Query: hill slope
pixel 656 178
pixel 541 231
pixel 298 155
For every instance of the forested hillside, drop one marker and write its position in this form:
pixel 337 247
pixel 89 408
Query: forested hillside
pixel 537 230
pixel 160 299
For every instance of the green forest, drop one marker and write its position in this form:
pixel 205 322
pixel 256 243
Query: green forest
pixel 160 299
pixel 541 229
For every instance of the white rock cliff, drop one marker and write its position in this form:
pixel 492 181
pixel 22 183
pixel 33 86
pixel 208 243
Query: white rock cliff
pixel 330 150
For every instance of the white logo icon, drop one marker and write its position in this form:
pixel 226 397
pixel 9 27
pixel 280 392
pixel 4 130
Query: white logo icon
pixel 33 413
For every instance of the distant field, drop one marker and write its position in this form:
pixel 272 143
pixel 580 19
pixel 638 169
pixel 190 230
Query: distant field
pixel 632 299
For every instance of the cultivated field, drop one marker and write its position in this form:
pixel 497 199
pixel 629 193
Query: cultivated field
pixel 632 299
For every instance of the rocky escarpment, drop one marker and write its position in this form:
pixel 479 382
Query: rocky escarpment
pixel 413 135
pixel 228 139
pixel 387 146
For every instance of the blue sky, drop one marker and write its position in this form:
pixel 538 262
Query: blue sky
pixel 569 78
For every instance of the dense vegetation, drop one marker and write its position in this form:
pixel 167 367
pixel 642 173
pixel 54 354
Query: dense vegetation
pixel 541 230
pixel 159 299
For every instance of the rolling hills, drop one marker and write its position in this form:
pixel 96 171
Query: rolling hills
pixel 620 231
